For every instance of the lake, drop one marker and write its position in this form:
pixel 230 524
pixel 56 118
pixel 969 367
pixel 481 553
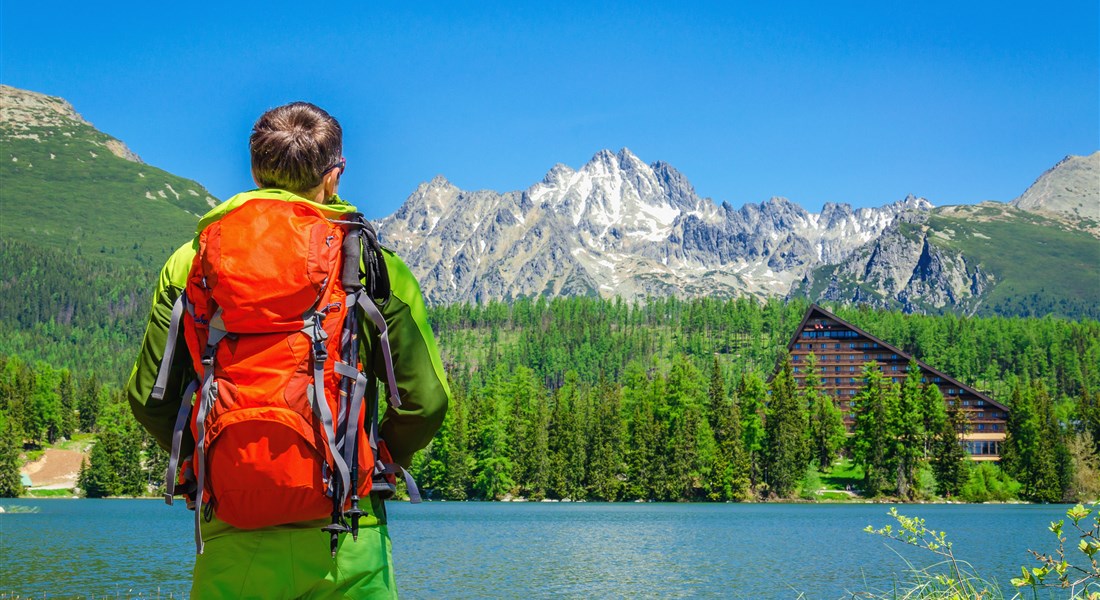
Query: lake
pixel 142 548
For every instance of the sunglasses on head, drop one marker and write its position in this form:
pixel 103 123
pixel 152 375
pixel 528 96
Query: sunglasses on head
pixel 340 164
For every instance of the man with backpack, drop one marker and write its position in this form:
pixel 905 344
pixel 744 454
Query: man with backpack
pixel 259 372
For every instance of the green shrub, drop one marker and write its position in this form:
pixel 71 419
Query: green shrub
pixel 988 483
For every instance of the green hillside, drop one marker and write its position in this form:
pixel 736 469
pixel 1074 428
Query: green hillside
pixel 71 187
pixel 1040 266
pixel 1029 265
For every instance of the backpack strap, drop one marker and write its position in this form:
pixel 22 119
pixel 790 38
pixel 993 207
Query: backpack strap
pixel 170 347
pixel 207 396
pixel 177 438
pixel 368 305
pixel 316 331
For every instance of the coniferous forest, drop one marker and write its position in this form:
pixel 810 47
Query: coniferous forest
pixel 592 399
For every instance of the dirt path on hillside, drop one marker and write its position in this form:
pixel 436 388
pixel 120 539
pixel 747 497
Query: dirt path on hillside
pixel 56 470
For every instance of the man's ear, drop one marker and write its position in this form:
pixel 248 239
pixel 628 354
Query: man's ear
pixel 330 183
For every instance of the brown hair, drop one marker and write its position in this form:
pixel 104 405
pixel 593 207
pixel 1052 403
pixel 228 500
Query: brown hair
pixel 292 145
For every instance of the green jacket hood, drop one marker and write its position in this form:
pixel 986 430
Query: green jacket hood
pixel 333 209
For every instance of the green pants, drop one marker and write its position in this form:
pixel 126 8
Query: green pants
pixel 292 562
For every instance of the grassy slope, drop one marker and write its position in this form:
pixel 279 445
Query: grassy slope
pixel 1040 266
pixel 1034 260
pixel 55 193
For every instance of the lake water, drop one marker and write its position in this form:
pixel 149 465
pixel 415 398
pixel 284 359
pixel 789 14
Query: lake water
pixel 142 548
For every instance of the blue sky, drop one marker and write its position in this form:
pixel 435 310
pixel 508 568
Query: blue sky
pixel 858 102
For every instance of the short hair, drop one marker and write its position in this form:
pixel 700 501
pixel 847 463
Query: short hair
pixel 292 145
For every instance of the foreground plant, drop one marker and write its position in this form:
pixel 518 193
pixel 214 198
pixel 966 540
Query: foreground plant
pixel 1082 580
pixel 959 581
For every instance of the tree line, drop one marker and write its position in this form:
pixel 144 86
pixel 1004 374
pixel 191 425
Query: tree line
pixel 41 406
pixel 671 399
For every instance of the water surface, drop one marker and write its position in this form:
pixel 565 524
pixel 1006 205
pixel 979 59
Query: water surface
pixel 142 548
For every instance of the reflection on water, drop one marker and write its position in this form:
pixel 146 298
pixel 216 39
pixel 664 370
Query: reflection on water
pixel 141 548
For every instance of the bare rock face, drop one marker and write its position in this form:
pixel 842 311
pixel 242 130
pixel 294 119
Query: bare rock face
pixel 618 227
pixel 23 109
pixel 904 268
pixel 1069 191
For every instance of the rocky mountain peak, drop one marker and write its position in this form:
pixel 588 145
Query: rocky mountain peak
pixel 21 109
pixel 1069 191
pixel 30 115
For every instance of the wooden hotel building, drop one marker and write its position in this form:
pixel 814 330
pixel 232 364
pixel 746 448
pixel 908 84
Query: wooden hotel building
pixel 841 350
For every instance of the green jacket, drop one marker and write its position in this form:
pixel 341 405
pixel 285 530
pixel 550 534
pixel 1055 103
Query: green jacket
pixel 417 366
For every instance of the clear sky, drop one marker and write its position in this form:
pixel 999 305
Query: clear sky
pixel 858 102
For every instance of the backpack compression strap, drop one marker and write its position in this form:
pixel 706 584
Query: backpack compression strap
pixel 177 439
pixel 178 307
pixel 206 399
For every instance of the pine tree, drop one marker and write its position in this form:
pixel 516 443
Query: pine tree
pixel 872 438
pixel 908 427
pixel 605 456
pixel 933 414
pixel 731 463
pixel 751 393
pixel 785 440
pixel 65 390
pixel 114 466
pixel 642 455
pixel 949 459
pixel 455 482
pixel 1020 453
pixel 11 483
pixel 826 432
pixel 1053 473
pixel 89 403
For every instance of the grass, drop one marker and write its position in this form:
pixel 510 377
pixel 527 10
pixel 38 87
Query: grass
pixel 80 442
pixel 56 194
pixel 845 475
pixel 1019 250
pixel 63 493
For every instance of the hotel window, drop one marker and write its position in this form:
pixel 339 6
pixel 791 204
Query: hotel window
pixel 981 426
pixel 795 357
pixel 851 345
pixel 837 370
pixel 837 380
pixel 893 367
pixel 798 346
pixel 795 369
pixel 836 347
pixel 866 357
pixel 981 403
pixel 893 380
pixel 966 403
pixel 852 369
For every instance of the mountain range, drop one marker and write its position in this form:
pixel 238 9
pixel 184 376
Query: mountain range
pixel 616 226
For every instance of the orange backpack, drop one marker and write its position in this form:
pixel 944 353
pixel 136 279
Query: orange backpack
pixel 282 421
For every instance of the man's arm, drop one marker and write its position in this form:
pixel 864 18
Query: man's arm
pixel 159 416
pixel 418 370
